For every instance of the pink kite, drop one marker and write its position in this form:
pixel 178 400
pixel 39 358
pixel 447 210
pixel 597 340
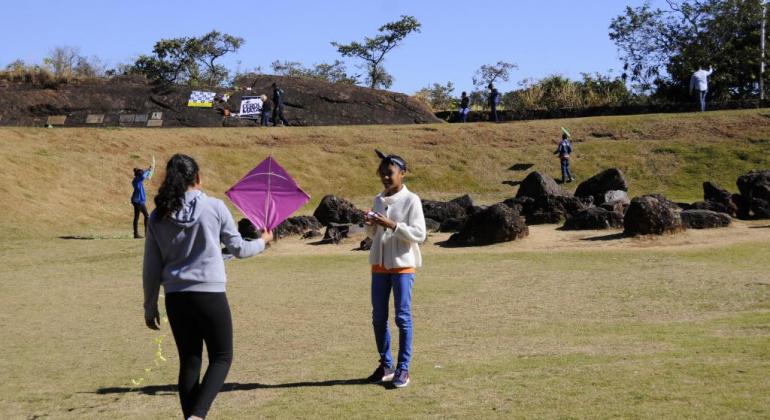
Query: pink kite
pixel 267 195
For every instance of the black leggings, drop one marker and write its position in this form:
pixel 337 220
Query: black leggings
pixel 139 208
pixel 195 318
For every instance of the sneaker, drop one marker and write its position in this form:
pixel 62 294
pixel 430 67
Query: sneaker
pixel 401 378
pixel 383 373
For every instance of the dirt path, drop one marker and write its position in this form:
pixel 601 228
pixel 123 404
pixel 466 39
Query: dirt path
pixel 549 237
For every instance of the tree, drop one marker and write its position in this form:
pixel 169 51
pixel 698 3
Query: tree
pixel 490 73
pixel 179 60
pixel 373 50
pixel 661 47
pixel 438 96
pixel 62 61
pixel 330 72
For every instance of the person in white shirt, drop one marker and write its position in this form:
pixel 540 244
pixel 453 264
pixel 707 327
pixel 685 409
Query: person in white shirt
pixel 699 82
pixel 396 225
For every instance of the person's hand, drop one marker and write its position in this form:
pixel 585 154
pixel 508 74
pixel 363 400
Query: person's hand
pixel 368 220
pixel 152 319
pixel 383 221
pixel 267 236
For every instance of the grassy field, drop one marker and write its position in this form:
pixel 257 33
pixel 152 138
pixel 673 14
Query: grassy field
pixel 77 181
pixel 638 330
pixel 558 325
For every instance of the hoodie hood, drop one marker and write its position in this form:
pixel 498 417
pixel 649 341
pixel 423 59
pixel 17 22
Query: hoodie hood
pixel 191 209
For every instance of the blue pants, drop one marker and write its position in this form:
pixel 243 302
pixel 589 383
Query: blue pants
pixel 566 175
pixel 401 284
pixel 464 114
pixel 493 114
pixel 702 100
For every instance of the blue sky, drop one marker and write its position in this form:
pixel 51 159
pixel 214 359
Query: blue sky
pixel 543 37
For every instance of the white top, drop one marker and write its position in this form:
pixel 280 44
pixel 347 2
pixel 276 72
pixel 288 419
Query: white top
pixel 699 80
pixel 398 248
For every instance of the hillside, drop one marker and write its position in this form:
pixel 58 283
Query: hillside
pixel 77 181
pixel 120 100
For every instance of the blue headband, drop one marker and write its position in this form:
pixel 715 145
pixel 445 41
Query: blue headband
pixel 390 159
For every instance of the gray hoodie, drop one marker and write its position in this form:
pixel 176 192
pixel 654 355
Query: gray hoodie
pixel 183 252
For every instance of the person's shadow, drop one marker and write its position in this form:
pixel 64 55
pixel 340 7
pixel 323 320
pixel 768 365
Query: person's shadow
pixel 236 386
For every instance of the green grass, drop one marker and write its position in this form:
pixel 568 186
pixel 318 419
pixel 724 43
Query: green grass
pixel 500 333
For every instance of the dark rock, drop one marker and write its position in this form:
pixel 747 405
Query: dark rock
pixel 465 202
pixel 442 210
pixel 475 209
pixel 333 209
pixel 718 199
pixel 452 225
pixel 432 225
pixel 311 234
pixel 538 185
pixel 365 245
pixel 296 226
pixel 335 233
pixel 755 190
pixel 498 223
pixel 552 209
pixel 744 208
pixel 704 219
pixel 594 218
pixel 598 185
pixel 247 230
pixel 731 210
pixel 649 215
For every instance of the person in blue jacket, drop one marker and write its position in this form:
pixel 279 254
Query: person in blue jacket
pixel 139 198
pixel 564 151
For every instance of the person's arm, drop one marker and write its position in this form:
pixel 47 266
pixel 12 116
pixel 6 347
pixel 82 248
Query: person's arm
pixel 413 230
pixel 151 279
pixel 232 239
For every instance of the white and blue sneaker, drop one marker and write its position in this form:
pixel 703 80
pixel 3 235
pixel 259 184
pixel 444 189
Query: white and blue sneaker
pixel 401 378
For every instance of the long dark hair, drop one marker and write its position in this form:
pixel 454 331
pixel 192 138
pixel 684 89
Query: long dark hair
pixel 181 172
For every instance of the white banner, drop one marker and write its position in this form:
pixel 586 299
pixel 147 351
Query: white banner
pixel 251 107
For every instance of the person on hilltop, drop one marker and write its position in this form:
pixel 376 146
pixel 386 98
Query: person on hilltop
pixel 700 84
pixel 465 103
pixel 139 197
pixel 564 150
pixel 397 226
pixel 494 101
pixel 266 108
pixel 182 252
pixel 278 106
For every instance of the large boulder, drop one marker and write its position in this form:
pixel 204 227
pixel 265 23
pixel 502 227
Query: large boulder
pixel 716 198
pixel 651 215
pixel 704 219
pixel 538 185
pixel 335 233
pixel 333 209
pixel 497 223
pixel 296 226
pixel 594 218
pixel 755 190
pixel 598 185
pixel 442 210
pixel 452 225
pixel 247 230
pixel 465 202
pixel 552 209
pixel 432 225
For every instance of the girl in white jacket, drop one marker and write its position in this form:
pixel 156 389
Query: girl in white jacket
pixel 396 225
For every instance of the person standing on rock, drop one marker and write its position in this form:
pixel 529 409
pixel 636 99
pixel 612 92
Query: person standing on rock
pixel 266 108
pixel 494 101
pixel 182 252
pixel 278 106
pixel 564 150
pixel 465 103
pixel 139 197
pixel 396 225
pixel 699 83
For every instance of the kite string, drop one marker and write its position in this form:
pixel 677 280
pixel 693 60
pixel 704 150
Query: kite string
pixel 269 179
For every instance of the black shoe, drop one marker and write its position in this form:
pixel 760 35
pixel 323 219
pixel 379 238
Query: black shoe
pixel 383 373
pixel 138 236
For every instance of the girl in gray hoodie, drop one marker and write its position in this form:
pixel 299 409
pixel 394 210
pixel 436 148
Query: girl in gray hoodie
pixel 183 253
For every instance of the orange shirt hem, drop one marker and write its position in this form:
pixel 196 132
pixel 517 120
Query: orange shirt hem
pixel 398 270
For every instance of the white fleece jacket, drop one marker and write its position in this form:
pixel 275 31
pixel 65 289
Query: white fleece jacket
pixel 398 248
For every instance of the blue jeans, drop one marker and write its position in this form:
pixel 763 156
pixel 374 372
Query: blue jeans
pixel 464 114
pixel 401 284
pixel 702 100
pixel 566 175
pixel 493 114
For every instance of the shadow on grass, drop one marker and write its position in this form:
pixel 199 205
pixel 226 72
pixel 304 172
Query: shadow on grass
pixel 232 386
pixel 760 227
pixel 512 183
pixel 78 238
pixel 521 166
pixel 609 237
